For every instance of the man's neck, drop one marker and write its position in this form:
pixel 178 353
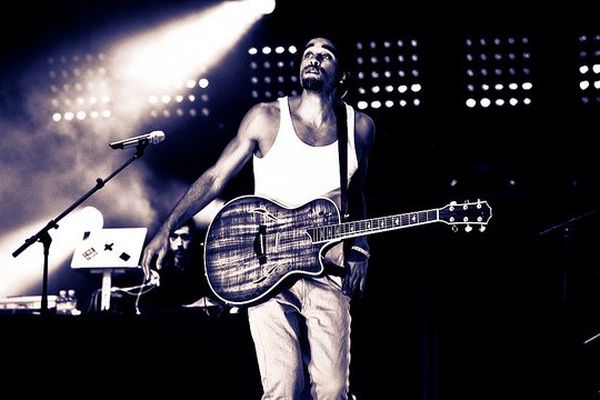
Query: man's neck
pixel 315 107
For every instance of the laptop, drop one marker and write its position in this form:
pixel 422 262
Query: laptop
pixel 111 248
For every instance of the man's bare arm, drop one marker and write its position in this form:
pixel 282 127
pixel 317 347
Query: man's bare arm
pixel 357 262
pixel 208 186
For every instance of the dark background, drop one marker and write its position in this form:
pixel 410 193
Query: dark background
pixel 502 314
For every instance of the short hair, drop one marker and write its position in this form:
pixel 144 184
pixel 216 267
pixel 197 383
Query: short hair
pixel 190 223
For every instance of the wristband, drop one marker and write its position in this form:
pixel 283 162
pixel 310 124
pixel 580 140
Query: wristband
pixel 361 251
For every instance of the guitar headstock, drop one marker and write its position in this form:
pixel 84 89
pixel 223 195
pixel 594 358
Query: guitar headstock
pixel 468 214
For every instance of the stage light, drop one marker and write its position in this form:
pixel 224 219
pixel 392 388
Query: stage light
pixel 73 79
pixel 589 85
pixel 172 60
pixel 264 6
pixel 387 64
pixel 497 71
pixel 274 73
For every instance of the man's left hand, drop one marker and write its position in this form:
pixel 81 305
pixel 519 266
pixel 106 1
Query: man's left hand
pixel 355 278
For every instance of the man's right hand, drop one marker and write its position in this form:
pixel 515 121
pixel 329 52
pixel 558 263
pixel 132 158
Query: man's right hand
pixel 155 252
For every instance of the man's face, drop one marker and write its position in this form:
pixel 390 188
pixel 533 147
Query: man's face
pixel 180 241
pixel 319 65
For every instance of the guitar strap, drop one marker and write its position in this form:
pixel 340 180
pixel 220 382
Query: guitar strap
pixel 342 131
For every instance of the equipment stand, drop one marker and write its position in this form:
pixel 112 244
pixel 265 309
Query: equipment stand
pixel 106 289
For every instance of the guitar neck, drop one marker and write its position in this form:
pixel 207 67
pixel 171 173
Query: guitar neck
pixel 346 230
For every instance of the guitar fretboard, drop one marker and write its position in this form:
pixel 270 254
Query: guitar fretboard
pixel 347 230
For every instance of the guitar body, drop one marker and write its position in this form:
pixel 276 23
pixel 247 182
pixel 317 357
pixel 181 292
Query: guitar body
pixel 254 244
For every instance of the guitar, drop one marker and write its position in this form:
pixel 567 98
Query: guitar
pixel 253 244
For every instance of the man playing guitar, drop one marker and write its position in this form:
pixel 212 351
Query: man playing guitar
pixel 293 145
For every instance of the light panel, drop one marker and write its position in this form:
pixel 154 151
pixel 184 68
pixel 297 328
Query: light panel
pixel 498 71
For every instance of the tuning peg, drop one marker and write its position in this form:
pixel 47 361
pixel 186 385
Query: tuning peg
pixel 482 228
pixel 468 228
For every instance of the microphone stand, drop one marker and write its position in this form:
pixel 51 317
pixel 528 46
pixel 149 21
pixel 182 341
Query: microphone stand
pixel 565 224
pixel 43 236
pixel 565 227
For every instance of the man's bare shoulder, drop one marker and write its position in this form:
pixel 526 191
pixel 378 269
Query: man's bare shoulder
pixel 261 124
pixel 365 129
pixel 268 110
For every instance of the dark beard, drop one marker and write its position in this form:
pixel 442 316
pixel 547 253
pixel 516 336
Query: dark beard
pixel 312 84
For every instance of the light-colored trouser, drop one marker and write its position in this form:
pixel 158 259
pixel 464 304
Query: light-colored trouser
pixel 309 322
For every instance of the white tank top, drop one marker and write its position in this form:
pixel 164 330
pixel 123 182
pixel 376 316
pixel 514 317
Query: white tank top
pixel 293 172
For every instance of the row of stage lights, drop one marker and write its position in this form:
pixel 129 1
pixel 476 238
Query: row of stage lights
pixel 79 88
pixel 189 105
pixel 82 88
pixel 385 74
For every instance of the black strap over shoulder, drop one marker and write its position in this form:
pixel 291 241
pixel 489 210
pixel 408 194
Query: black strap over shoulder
pixel 342 131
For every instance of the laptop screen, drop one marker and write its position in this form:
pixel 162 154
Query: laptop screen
pixel 110 248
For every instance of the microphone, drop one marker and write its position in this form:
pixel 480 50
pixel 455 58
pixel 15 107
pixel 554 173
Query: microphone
pixel 153 137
